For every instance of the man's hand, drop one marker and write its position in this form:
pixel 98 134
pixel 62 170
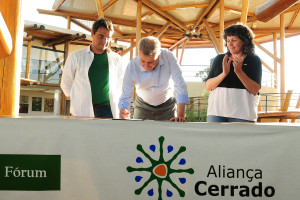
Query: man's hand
pixel 124 113
pixel 178 119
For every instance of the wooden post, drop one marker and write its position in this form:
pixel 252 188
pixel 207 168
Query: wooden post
pixel 282 61
pixel 69 22
pixel 275 62
pixel 99 8
pixel 182 52
pixel 10 66
pixel 177 52
pixel 28 59
pixel 138 24
pixel 63 97
pixel 131 51
pixel 221 26
pixel 244 14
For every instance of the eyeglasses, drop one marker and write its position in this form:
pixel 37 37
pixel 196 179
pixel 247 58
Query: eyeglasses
pixel 102 37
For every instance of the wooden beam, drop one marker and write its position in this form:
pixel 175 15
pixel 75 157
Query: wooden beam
pixel 166 15
pixel 10 65
pixel 293 19
pixel 138 23
pixel 5 39
pixel 214 8
pixel 275 63
pixel 274 30
pixel 182 51
pixel 282 56
pixel 244 14
pixel 116 21
pixel 238 11
pixel 131 51
pixel 271 8
pixel 204 13
pixel 69 22
pixel 221 41
pixel 266 51
pixel 203 5
pixel 64 39
pixel 267 66
pixel 178 43
pixel 109 4
pixel 212 36
pixel 100 11
pixel 59 5
pixel 81 25
pixel 163 29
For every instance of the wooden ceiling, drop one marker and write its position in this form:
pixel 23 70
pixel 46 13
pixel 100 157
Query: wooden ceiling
pixel 195 23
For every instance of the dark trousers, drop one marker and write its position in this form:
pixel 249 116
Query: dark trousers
pixel 164 111
pixel 102 111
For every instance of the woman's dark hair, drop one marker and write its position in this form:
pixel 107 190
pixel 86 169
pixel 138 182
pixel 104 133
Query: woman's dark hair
pixel 244 33
pixel 102 22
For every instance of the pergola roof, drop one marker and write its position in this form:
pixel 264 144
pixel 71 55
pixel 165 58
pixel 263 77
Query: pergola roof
pixel 180 17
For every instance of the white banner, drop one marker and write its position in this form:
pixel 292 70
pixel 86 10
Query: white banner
pixel 126 160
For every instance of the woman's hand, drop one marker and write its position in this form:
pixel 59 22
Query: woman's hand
pixel 238 63
pixel 226 65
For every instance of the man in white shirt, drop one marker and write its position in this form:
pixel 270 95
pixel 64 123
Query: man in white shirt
pixel 92 77
pixel 151 73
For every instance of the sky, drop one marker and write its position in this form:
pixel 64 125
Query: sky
pixel 191 56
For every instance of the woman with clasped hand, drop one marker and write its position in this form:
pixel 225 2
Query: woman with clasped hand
pixel 235 79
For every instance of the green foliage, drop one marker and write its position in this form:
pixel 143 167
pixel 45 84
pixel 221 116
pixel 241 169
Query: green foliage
pixel 203 73
pixel 197 110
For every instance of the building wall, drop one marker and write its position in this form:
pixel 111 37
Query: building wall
pixel 46 108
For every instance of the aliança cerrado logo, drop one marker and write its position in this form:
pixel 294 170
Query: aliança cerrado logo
pixel 160 170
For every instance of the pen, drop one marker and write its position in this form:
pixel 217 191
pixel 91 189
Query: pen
pixel 124 106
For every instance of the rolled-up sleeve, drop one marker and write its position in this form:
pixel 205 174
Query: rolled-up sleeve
pixel 127 89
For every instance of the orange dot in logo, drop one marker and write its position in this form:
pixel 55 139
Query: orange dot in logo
pixel 160 170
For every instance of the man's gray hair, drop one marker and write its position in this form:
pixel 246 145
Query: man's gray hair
pixel 149 46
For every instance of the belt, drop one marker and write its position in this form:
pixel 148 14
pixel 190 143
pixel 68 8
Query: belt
pixel 98 106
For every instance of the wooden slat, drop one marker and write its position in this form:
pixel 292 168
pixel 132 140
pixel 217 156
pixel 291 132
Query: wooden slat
pixel 138 23
pixel 163 29
pixel 28 58
pixel 266 51
pixel 109 4
pixel 81 25
pixel 293 19
pixel 59 5
pixel 166 15
pixel 204 13
pixel 221 41
pixel 275 62
pixel 100 11
pixel 178 43
pixel 267 66
pixel 282 56
pixel 244 12
pixel 212 36
pixel 203 5
pixel 182 51
pixel 214 8
pixel 271 8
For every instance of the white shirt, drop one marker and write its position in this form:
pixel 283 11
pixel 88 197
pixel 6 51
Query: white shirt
pixel 76 84
pixel 155 86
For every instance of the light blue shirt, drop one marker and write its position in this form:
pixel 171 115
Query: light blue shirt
pixel 156 86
